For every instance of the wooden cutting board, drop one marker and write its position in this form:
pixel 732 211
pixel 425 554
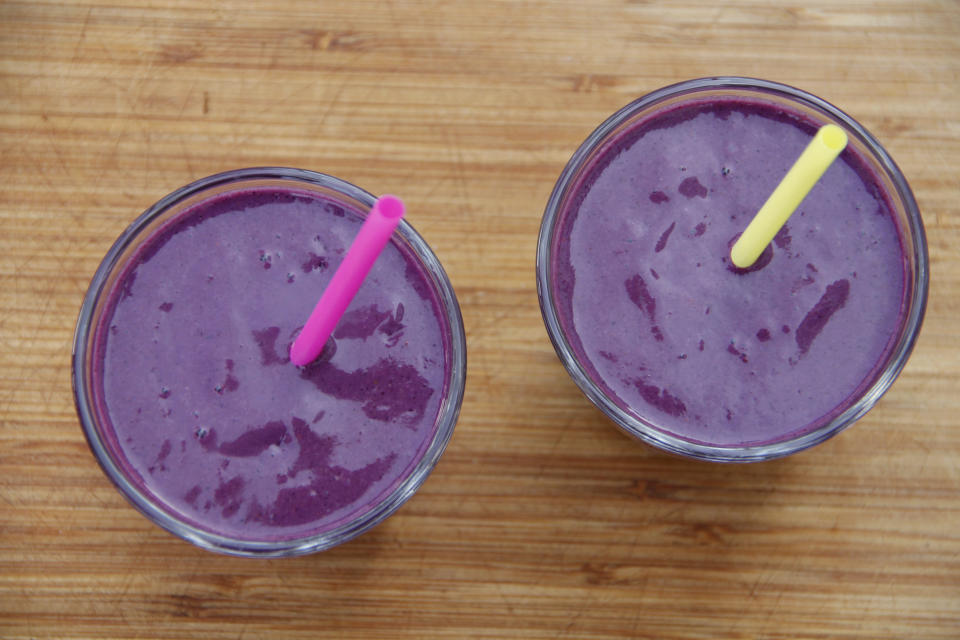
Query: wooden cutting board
pixel 541 520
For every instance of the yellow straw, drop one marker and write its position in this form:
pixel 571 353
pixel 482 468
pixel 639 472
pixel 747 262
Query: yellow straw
pixel 809 167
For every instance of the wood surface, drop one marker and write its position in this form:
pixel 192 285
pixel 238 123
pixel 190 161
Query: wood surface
pixel 542 520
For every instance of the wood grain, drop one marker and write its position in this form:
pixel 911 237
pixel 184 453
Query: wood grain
pixel 542 520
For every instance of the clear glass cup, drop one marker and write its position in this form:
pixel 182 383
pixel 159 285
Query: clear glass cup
pixel 100 432
pixel 567 194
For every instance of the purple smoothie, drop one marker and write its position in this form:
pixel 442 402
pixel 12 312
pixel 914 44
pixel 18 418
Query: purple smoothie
pixel 191 368
pixel 668 329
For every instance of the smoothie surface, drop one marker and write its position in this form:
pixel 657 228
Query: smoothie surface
pixel 666 326
pixel 207 413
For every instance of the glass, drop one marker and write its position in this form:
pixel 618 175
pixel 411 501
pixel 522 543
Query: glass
pixel 565 197
pixel 97 427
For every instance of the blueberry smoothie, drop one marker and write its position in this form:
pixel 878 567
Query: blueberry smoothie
pixel 671 332
pixel 199 404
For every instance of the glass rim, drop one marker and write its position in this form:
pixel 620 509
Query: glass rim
pixel 649 433
pixel 447 415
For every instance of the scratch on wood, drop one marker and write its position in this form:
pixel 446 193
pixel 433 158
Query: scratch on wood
pixel 178 54
pixel 83 35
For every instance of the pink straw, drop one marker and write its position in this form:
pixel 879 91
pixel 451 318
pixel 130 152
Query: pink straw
pixel 376 230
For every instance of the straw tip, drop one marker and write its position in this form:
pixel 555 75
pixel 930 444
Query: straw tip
pixel 833 137
pixel 390 206
pixel 741 257
pixel 300 354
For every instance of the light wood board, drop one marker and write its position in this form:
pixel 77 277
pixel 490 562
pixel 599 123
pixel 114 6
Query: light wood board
pixel 542 520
